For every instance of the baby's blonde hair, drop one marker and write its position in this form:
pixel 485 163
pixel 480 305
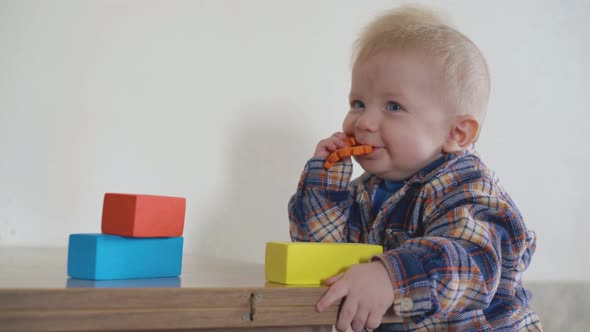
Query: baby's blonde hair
pixel 464 68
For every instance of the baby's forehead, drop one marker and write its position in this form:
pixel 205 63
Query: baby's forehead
pixel 397 65
pixel 391 53
pixel 404 74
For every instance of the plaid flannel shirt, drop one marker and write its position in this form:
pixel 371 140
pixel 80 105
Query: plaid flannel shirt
pixel 455 245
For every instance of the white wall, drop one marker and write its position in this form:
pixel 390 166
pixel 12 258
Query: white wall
pixel 222 102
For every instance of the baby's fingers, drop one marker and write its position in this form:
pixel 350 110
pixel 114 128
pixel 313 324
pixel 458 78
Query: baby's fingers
pixel 374 320
pixel 328 145
pixel 348 311
pixel 339 135
pixel 339 139
pixel 334 294
pixel 331 144
pixel 360 319
pixel 330 281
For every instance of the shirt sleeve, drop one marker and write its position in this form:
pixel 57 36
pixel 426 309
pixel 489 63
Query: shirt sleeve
pixel 321 207
pixel 474 238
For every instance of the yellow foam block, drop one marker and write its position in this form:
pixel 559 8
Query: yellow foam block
pixel 310 263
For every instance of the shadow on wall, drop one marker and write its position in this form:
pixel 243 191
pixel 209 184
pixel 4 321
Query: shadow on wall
pixel 561 305
pixel 265 159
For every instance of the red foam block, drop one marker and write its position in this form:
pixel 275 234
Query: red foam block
pixel 143 215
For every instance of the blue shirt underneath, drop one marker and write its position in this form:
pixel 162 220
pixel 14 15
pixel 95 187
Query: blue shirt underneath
pixel 388 188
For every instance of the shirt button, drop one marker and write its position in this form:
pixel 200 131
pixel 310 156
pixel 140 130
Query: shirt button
pixel 406 304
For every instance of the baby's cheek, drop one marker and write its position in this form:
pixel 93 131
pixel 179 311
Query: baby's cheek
pixel 425 152
pixel 348 125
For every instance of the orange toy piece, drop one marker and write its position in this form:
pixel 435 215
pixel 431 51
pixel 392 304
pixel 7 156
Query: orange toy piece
pixel 351 150
pixel 143 215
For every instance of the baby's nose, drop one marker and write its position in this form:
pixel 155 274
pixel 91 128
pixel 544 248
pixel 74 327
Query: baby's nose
pixel 367 122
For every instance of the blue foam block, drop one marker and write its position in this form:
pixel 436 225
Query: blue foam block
pixel 108 257
pixel 173 282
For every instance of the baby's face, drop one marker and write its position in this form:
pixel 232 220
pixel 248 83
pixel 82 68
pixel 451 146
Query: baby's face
pixel 397 105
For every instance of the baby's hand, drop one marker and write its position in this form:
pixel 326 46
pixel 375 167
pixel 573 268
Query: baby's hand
pixel 367 293
pixel 330 144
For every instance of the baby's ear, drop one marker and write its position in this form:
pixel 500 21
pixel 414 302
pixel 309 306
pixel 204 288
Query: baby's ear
pixel 464 131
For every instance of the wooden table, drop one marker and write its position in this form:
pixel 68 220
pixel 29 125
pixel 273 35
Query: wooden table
pixel 212 294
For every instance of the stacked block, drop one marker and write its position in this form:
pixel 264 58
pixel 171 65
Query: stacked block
pixel 141 238
pixel 143 215
pixel 172 282
pixel 311 263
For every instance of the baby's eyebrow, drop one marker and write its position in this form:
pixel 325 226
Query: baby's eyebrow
pixel 353 96
pixel 393 95
pixel 397 97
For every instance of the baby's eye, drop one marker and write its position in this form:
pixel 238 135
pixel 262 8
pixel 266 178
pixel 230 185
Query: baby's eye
pixel 393 106
pixel 357 104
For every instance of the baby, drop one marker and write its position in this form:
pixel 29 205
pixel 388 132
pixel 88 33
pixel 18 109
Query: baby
pixel 455 244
